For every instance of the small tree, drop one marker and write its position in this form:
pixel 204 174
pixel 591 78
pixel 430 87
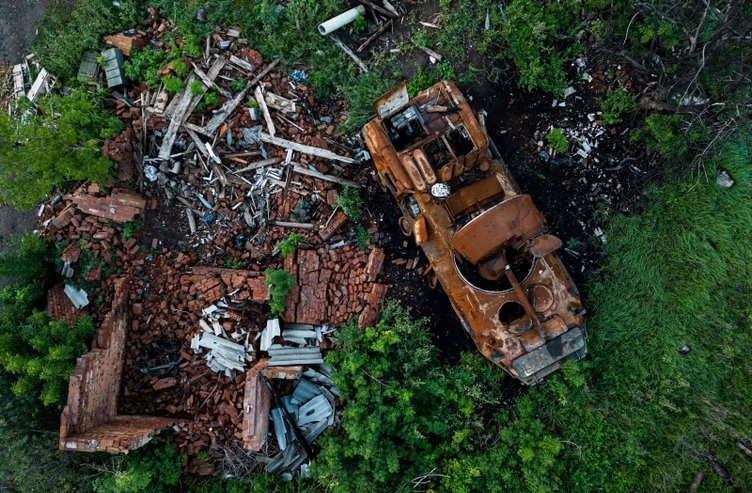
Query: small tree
pixel 280 282
pixel 59 142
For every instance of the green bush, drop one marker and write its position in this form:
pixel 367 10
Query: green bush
pixel 172 84
pixel 59 142
pixel 155 468
pixel 27 260
pixel 617 103
pixel 144 65
pixel 557 140
pixel 360 24
pixel 289 244
pixel 280 283
pixel 537 38
pixel 350 202
pixel 408 415
pixel 663 134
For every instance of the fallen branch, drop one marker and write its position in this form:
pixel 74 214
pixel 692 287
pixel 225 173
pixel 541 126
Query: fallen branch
pixel 257 164
pixel 259 95
pixel 373 36
pixel 377 8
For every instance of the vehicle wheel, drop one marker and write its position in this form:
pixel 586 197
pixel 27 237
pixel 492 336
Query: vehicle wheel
pixel 406 226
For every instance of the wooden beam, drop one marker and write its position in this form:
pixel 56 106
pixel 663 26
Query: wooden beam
pixel 289 224
pixel 257 164
pixel 259 95
pixel 305 149
pixel 321 176
pixel 230 105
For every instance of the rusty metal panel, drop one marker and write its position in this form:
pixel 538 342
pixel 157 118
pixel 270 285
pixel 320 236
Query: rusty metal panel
pixel 515 219
pixel 392 101
pixel 486 243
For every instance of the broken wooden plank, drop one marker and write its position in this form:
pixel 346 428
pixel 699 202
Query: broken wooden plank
pixel 289 224
pixel 335 179
pixel 349 52
pixel 257 165
pixel 214 71
pixel 373 36
pixel 430 52
pixel 209 82
pixel 230 105
pixel 259 95
pixel 241 63
pixel 305 149
pixel 177 118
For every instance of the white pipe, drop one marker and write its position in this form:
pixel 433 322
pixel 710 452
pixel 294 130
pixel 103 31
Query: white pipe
pixel 341 20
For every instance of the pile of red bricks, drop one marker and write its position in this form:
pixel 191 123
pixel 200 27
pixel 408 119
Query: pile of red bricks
pixel 90 420
pixel 333 285
pixel 60 307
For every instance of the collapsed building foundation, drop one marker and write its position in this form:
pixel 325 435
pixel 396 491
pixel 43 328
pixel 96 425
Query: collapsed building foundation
pixel 89 421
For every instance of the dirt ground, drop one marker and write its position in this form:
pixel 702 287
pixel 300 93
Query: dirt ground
pixel 18 19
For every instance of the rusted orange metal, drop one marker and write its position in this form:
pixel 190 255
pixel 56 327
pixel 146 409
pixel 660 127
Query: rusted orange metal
pixel 486 242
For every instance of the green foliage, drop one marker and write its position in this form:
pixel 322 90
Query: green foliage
pixel 408 415
pixel 144 66
pixel 557 140
pixel 640 415
pixel 172 84
pixel 28 259
pixel 131 228
pixel 289 244
pixel 537 39
pixel 237 85
pixel 362 237
pixel 617 103
pixel 350 202
pixel 280 282
pixel 360 24
pixel 663 133
pixel 66 31
pixel 211 98
pixel 60 142
pixel 252 103
pixel 38 352
pixel 196 87
pixel 155 468
pixel 426 78
pixel 235 264
pixel 180 68
pixel 361 95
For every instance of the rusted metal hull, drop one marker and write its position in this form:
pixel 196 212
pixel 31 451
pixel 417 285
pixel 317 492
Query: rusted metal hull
pixel 486 242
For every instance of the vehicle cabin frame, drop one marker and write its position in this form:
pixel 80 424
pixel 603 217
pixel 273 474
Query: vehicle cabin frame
pixel 486 242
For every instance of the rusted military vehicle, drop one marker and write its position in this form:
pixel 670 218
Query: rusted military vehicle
pixel 486 242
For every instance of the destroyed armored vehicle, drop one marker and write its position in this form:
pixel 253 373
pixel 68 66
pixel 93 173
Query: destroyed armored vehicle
pixel 486 241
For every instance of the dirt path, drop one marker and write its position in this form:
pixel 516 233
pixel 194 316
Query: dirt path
pixel 18 19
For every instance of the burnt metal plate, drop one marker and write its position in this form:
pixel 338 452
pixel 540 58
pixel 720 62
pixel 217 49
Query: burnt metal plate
pixel 555 350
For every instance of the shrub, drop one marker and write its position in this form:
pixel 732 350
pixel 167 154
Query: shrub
pixel 359 24
pixel 362 237
pixel 663 134
pixel 211 98
pixel 280 282
pixel 196 87
pixel 557 140
pixel 60 142
pixel 532 33
pixel 350 202
pixel 172 84
pixel 156 467
pixel 617 103
pixel 288 245
pixel 180 68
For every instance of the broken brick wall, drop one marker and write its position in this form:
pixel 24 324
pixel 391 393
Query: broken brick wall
pixel 89 420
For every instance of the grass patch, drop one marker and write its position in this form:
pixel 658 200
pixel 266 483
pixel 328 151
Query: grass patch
pixel 679 274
